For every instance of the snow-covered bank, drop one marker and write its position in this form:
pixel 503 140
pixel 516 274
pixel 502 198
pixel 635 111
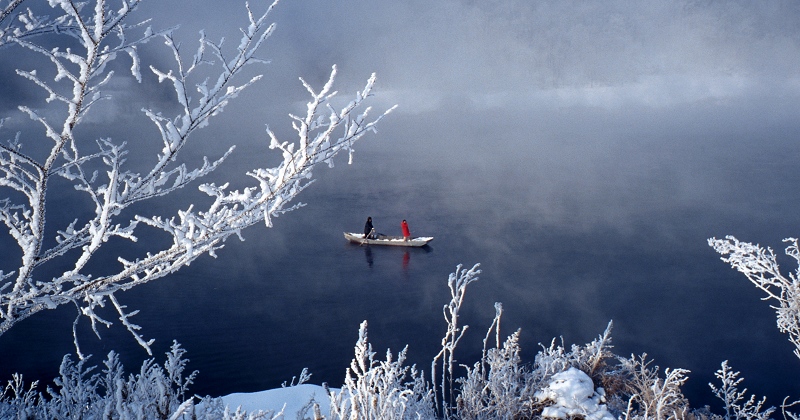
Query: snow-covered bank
pixel 295 398
pixel 570 393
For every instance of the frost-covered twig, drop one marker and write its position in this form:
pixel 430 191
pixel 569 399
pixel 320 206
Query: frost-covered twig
pixel 457 282
pixel 381 390
pixel 760 266
pixel 304 377
pixel 651 396
pixel 736 407
pixel 16 23
pixel 81 75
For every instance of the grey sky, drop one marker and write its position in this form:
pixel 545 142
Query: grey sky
pixel 509 53
pixel 506 59
pixel 515 54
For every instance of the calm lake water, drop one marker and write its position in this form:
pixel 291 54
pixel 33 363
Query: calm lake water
pixel 572 230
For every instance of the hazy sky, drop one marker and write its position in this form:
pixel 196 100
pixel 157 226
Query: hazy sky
pixel 514 53
pixel 563 91
pixel 439 59
pixel 508 81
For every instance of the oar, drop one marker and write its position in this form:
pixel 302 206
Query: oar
pixel 364 241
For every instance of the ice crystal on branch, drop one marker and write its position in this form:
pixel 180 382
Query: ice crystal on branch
pixel 736 407
pixel 384 390
pixel 97 168
pixel 760 266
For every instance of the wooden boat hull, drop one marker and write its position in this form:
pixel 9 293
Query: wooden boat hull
pixel 358 238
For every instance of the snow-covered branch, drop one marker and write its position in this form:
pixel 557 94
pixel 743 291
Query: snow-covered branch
pixel 760 266
pixel 81 75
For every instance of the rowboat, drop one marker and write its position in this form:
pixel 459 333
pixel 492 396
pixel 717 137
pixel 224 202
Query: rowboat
pixel 358 238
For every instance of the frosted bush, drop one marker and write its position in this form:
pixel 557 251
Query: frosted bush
pixel 590 358
pixel 642 394
pixel 498 386
pixel 381 390
pixel 736 406
pixel 155 392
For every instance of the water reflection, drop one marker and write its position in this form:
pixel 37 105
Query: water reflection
pixel 368 255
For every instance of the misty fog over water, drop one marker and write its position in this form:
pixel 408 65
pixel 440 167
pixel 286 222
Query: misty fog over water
pixel 574 225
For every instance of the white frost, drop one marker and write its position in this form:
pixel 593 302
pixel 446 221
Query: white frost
pixel 572 393
pixel 295 399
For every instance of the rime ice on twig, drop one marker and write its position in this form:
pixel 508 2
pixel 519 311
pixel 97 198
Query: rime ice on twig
pixel 81 74
pixel 385 390
pixel 736 407
pixel 457 282
pixel 760 266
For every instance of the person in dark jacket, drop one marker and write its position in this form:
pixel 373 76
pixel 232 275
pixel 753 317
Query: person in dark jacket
pixel 369 231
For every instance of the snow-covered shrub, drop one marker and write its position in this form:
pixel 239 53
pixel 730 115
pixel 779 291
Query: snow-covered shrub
pixel 501 386
pixel 590 358
pixel 17 402
pixel 498 386
pixel 381 390
pixel 155 392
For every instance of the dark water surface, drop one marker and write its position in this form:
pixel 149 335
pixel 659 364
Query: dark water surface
pixel 573 228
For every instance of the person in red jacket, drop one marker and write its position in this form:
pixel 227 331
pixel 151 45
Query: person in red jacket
pixel 406 232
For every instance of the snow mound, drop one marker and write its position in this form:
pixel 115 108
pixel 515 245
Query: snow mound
pixel 295 398
pixel 572 394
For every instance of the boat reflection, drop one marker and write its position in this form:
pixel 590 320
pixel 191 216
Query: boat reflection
pixel 368 255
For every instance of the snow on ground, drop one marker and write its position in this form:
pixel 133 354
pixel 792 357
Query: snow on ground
pixel 295 398
pixel 573 394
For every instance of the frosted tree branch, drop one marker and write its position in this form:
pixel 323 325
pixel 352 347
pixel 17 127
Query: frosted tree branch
pixel 98 170
pixel 760 266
